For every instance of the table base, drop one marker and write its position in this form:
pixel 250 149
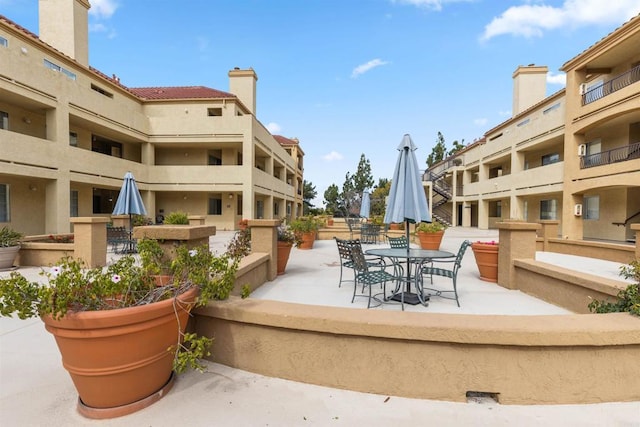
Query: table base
pixel 409 298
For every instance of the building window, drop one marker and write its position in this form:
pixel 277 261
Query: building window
pixel 591 207
pixel 548 209
pixel 260 209
pixel 552 108
pixel 4 120
pixel 525 210
pixel 239 205
pixel 524 122
pixel 101 91
pixel 215 205
pixel 73 202
pixel 215 157
pixel 550 158
pixel 214 112
pixel 56 67
pixel 239 159
pixel 4 203
pixel 276 209
pixel 4 42
pixel 73 139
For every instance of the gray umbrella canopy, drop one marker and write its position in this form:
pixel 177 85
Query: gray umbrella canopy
pixel 129 200
pixel 407 201
pixel 365 206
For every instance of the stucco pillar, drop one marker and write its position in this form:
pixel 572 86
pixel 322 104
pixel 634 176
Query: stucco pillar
pixel 466 214
pixel 90 240
pixel 636 228
pixel 483 214
pixel 264 238
pixel 57 202
pixel 549 231
pixel 517 241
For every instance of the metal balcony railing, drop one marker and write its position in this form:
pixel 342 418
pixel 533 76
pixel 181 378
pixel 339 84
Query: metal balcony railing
pixel 610 86
pixel 620 154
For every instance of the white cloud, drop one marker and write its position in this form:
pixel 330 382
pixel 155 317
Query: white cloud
pixel 103 8
pixel 557 79
pixel 429 4
pixel 98 28
pixel 361 69
pixel 505 113
pixel 334 155
pixel 532 20
pixel 274 128
pixel 480 121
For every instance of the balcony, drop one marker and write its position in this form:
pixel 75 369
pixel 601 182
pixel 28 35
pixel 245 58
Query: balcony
pixel 610 86
pixel 620 154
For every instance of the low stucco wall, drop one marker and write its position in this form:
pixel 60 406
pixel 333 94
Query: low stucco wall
pixel 43 254
pixel 522 359
pixel 569 289
pixel 601 250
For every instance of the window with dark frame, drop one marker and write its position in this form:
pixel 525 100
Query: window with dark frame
pixel 215 205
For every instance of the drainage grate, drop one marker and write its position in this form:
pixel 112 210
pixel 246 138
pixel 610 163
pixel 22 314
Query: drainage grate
pixel 482 397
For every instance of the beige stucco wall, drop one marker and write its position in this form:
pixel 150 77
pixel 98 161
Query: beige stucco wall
pixel 524 359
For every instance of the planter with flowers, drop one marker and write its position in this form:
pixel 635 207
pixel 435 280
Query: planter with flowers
pixel 286 240
pixel 486 254
pixel 243 224
pixel 306 229
pixel 430 234
pixel 121 335
pixel 9 247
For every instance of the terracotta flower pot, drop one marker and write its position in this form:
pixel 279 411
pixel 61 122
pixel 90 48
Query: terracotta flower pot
pixel 284 250
pixel 430 240
pixel 487 260
pixel 395 226
pixel 307 240
pixel 118 359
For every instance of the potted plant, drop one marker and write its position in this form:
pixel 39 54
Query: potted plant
pixel 286 240
pixel 486 255
pixel 430 234
pixel 9 247
pixel 121 336
pixel 243 224
pixel 306 228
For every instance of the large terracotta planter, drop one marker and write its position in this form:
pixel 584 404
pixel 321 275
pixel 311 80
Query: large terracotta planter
pixel 487 261
pixel 284 250
pixel 118 359
pixel 430 240
pixel 307 240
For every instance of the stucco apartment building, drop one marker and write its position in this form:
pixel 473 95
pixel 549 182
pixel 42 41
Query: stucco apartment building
pixel 69 133
pixel 573 156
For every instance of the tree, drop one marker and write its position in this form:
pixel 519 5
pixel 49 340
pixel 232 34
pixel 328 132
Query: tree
pixel 457 146
pixel 332 199
pixel 438 152
pixel 379 196
pixel 363 180
pixel 348 195
pixel 308 193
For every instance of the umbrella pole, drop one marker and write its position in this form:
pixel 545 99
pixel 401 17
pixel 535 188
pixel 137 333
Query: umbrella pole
pixel 406 227
pixel 130 244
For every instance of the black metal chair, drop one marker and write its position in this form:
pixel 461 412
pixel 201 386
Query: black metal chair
pixel 370 233
pixel 429 267
pixel 355 226
pixel 367 276
pixel 345 248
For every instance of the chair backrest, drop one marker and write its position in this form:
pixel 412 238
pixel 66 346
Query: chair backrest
pixel 461 251
pixel 359 261
pixel 398 242
pixel 344 247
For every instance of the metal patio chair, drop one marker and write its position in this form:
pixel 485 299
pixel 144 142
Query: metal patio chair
pixel 431 268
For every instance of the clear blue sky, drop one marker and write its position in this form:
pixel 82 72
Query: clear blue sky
pixel 348 77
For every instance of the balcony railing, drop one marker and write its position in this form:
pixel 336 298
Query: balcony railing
pixel 610 86
pixel 620 154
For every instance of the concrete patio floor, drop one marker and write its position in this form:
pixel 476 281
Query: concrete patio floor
pixel 36 390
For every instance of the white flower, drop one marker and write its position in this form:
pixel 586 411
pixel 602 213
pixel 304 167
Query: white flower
pixel 115 278
pixel 193 252
pixel 55 270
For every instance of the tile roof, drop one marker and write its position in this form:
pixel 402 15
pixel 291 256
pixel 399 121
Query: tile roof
pixel 179 92
pixel 285 141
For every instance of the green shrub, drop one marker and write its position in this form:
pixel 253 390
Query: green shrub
pixel 628 298
pixel 177 218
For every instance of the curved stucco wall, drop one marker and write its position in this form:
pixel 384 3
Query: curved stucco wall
pixel 523 359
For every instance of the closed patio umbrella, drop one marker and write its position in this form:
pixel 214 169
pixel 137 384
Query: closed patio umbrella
pixel 365 206
pixel 129 202
pixel 407 202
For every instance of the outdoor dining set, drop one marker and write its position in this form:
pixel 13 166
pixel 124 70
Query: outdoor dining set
pixel 401 268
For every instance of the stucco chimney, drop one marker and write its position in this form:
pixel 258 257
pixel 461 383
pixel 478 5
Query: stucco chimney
pixel 529 86
pixel 64 24
pixel 242 83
